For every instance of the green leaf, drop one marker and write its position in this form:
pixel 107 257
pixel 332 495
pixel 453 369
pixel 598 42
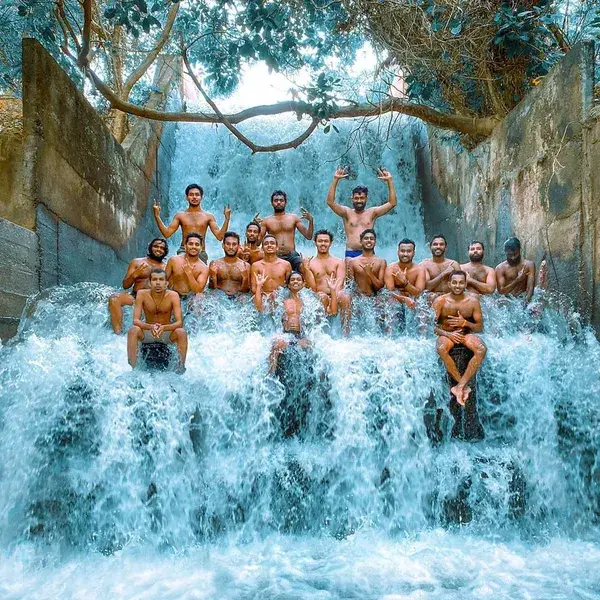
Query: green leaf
pixel 326 129
pixel 335 128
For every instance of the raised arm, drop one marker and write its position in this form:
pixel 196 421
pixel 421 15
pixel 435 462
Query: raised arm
pixel 433 283
pixel 135 270
pixel 220 233
pixel 506 288
pixel 172 228
pixel 309 276
pixel 197 283
pixel 212 275
pixel 307 232
pixel 338 209
pixel 333 283
pixel 376 274
pixel 169 268
pixel 258 281
pixel 484 287
pixel 386 176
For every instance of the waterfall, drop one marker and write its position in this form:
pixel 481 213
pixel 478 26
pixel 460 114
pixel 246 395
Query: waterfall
pixel 325 483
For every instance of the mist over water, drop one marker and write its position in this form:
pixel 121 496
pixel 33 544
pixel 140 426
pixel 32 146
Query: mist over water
pixel 320 483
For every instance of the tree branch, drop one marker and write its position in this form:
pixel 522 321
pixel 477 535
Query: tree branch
pixel 82 57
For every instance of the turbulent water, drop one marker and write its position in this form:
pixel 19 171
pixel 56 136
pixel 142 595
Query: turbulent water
pixel 322 482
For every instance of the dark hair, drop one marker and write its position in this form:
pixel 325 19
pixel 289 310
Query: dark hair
pixel 439 236
pixel 253 223
pixel 194 186
pixel 193 234
pixel 458 272
pixel 406 241
pixel 158 272
pixel 270 235
pixel 360 189
pixel 363 233
pixel 512 244
pixel 294 273
pixel 231 234
pixel 158 240
pixel 477 242
pixel 279 193
pixel 324 232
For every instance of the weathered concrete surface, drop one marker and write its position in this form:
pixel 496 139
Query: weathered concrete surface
pixel 87 198
pixel 536 177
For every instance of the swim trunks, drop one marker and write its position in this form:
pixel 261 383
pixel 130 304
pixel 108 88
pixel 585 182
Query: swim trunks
pixel 202 256
pixel 294 259
pixel 353 253
pixel 150 339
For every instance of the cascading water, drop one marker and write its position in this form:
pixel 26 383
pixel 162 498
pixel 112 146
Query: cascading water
pixel 326 483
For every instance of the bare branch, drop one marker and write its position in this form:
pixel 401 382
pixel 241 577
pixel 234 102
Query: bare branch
pixel 82 57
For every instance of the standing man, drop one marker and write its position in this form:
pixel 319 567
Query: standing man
pixel 404 278
pixel 438 267
pixel 193 219
pixel 516 276
pixel 359 218
pixel 274 269
pixel 480 278
pixel 137 275
pixel 187 274
pixel 251 250
pixel 230 274
pixel 458 317
pixel 367 270
pixel 164 323
pixel 283 226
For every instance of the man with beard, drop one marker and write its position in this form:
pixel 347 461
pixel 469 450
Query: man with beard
pixel 516 276
pixel 137 275
pixel 187 274
pixel 480 278
pixel 194 219
pixel 275 269
pixel 359 218
pixel 283 227
pixel 367 270
pixel 458 316
pixel 164 323
pixel 404 279
pixel 230 274
pixel 438 267
pixel 251 250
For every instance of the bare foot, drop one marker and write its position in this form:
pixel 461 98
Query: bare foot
pixel 458 390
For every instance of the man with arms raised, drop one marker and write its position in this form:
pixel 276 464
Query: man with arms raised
pixel 404 278
pixel 438 267
pixel 163 324
pixel 230 274
pixel 516 276
pixel 187 274
pixel 137 276
pixel 367 270
pixel 193 219
pixel 283 226
pixel 458 317
pixel 276 269
pixel 480 278
pixel 251 250
pixel 358 218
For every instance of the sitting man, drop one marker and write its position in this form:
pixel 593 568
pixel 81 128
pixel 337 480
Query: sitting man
pixel 164 323
pixel 187 273
pixel 251 250
pixel 292 312
pixel 458 316
pixel 481 279
pixel 274 268
pixel 230 274
pixel 137 276
pixel 404 279
pixel 516 276
pixel 367 270
pixel 438 267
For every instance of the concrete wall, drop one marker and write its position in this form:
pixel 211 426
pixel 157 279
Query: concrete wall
pixel 536 178
pixel 85 198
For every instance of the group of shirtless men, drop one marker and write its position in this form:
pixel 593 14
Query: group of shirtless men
pixel 268 261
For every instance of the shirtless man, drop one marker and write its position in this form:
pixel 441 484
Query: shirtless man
pixel 292 312
pixel 230 274
pixel 438 267
pixel 283 226
pixel 164 323
pixel 193 219
pixel 358 218
pixel 187 274
pixel 404 279
pixel 516 276
pixel 480 278
pixel 458 316
pixel 367 270
pixel 251 250
pixel 276 269
pixel 137 276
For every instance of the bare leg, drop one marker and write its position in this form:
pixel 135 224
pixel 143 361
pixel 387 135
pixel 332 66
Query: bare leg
pixel 134 336
pixel 115 307
pixel 324 298
pixel 473 343
pixel 179 336
pixel 345 309
pixel 277 349
pixel 443 347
